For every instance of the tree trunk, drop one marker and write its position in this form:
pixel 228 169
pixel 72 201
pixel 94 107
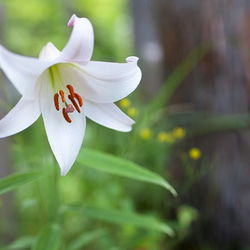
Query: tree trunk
pixel 220 85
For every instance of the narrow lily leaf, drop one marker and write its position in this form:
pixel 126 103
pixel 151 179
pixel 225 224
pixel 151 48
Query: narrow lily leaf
pixel 24 242
pixel 49 238
pixel 17 180
pixel 124 218
pixel 115 165
pixel 86 238
pixel 178 75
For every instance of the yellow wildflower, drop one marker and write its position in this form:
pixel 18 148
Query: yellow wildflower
pixel 132 112
pixel 194 153
pixel 124 103
pixel 179 132
pixel 165 137
pixel 145 133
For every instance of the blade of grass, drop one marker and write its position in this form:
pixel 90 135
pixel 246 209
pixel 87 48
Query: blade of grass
pixel 115 165
pixel 178 75
pixel 86 238
pixel 15 181
pixel 123 218
pixel 49 238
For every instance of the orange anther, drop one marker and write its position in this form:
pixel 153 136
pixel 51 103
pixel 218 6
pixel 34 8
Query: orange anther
pixel 66 116
pixel 74 103
pixel 62 95
pixel 79 99
pixel 56 101
pixel 71 90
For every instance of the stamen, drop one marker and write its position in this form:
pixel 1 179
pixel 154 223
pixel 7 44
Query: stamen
pixel 79 99
pixel 71 90
pixel 56 101
pixel 66 116
pixel 75 99
pixel 74 103
pixel 62 95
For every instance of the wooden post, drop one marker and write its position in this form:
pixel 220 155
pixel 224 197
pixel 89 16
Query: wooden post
pixel 220 85
pixel 148 46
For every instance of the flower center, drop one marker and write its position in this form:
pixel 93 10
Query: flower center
pixel 74 98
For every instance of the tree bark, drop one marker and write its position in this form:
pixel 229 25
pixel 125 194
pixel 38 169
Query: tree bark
pixel 220 85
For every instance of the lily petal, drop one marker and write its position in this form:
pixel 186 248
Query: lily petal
pixel 22 71
pixel 24 114
pixel 103 82
pixel 64 138
pixel 49 52
pixel 108 115
pixel 81 42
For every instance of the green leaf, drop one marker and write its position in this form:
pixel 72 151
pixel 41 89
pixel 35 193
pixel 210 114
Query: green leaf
pixel 123 218
pixel 24 242
pixel 116 165
pixel 49 238
pixel 14 181
pixel 204 124
pixel 178 75
pixel 86 238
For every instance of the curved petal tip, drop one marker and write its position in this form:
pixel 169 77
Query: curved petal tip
pixel 72 20
pixel 133 59
pixel 81 42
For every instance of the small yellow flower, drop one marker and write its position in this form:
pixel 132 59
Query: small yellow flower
pixel 145 133
pixel 124 103
pixel 179 132
pixel 194 153
pixel 132 112
pixel 165 137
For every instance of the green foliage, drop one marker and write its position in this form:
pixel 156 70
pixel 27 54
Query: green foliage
pixel 49 238
pixel 91 209
pixel 116 165
pixel 15 181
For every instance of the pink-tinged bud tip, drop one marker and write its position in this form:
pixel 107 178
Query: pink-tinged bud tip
pixel 71 20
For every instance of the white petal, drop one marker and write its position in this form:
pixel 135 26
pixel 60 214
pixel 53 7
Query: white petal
pixel 81 42
pixel 108 115
pixel 64 138
pixel 24 114
pixel 49 52
pixel 22 71
pixel 103 82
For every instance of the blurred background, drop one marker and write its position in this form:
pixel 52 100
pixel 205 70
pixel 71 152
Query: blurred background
pixel 191 113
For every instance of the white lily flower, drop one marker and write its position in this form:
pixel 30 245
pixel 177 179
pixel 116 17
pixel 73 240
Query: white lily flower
pixel 66 87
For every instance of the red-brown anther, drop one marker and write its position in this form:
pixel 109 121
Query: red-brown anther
pixel 62 95
pixel 56 101
pixel 74 103
pixel 71 90
pixel 66 116
pixel 79 99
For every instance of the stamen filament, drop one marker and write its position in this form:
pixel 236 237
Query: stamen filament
pixel 66 116
pixel 56 101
